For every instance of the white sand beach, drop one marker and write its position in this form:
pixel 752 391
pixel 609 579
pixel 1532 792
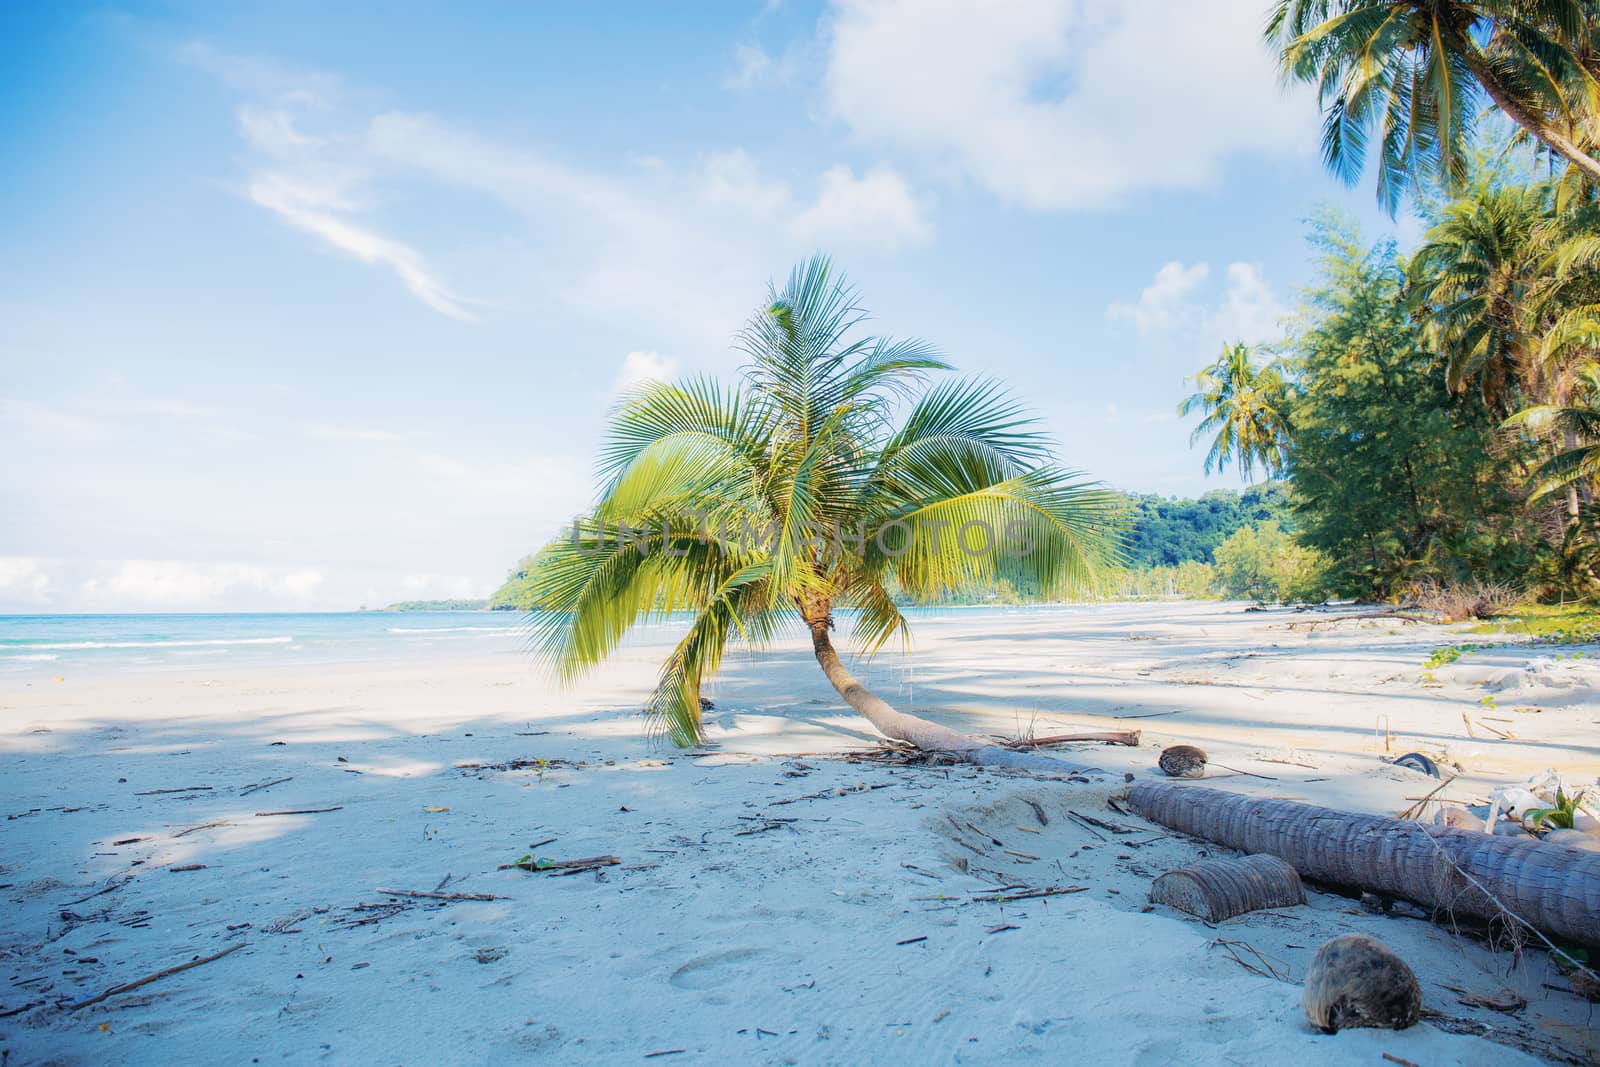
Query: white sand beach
pixel 774 902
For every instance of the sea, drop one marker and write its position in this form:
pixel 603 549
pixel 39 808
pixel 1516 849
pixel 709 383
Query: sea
pixel 55 645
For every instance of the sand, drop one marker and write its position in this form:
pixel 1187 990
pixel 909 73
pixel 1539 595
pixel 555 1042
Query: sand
pixel 774 902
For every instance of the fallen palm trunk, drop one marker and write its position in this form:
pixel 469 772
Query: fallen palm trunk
pixel 1555 890
pixel 1220 889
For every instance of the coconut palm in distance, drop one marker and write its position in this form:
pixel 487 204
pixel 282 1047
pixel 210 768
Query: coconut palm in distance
pixel 1245 410
pixel 798 493
pixel 1418 69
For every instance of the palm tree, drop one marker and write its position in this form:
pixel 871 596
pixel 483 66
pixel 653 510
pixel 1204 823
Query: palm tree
pixel 1474 281
pixel 1577 421
pixel 1417 69
pixel 797 494
pixel 1246 408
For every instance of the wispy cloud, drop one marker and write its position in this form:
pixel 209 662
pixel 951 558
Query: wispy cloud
pixel 170 583
pixel 308 207
pixel 640 367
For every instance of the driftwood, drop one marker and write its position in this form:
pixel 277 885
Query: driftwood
pixel 301 811
pixel 1220 889
pixel 147 979
pixel 1107 737
pixel 1553 890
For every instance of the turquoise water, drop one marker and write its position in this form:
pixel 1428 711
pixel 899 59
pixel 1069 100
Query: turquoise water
pixel 50 645
pixel 54 644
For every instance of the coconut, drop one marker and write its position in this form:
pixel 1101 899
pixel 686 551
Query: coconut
pixel 1182 761
pixel 1356 981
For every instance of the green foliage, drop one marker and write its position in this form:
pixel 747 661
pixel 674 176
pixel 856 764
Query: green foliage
pixel 1164 532
pixel 1419 71
pixel 1561 817
pixel 1265 564
pixel 517 593
pixel 829 476
pixel 1397 479
pixel 438 605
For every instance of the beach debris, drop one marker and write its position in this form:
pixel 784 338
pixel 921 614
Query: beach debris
pixel 1182 761
pixel 1002 897
pixel 1420 803
pixel 185 789
pixel 1222 888
pixel 1105 737
pixel 1572 962
pixel 1416 761
pixel 912 940
pixel 302 811
pixel 1257 962
pixel 188 867
pixel 195 829
pixel 589 863
pixel 707 705
pixel 1459 818
pixel 126 987
pixel 256 787
pixel 1356 981
pixel 428 894
pixel 1507 1002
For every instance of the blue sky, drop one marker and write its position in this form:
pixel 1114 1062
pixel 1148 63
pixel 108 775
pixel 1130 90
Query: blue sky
pixel 311 306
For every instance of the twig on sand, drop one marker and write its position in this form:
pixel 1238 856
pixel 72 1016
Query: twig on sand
pixel 912 940
pixel 1415 810
pixel 188 867
pixel 1031 894
pixel 185 789
pixel 202 826
pixel 147 979
pixel 1251 774
pixel 1108 737
pixel 588 863
pixel 1402 1061
pixel 430 895
pixel 664 1052
pixel 99 892
pixel 303 811
pixel 837 792
pixel 247 790
pixel 1264 966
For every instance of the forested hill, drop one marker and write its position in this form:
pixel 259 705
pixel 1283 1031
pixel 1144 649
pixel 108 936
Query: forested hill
pixel 1165 532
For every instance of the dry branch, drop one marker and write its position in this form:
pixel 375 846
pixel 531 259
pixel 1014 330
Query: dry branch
pixel 147 979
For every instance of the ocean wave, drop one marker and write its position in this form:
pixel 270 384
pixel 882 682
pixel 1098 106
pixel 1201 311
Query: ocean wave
pixel 77 646
pixel 450 629
pixel 35 658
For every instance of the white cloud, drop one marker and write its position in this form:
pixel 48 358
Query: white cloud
pixel 170 583
pixel 1164 300
pixel 641 367
pixel 1173 306
pixel 1250 310
pixel 272 129
pixel 439 587
pixel 23 580
pixel 876 211
pixel 1059 105
pixel 733 179
pixel 751 66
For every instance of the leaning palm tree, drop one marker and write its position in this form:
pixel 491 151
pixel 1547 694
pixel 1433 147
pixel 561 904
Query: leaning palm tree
pixel 800 493
pixel 1245 410
pixel 1419 68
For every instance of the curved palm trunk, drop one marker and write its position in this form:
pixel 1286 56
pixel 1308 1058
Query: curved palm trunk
pixel 1553 139
pixel 928 736
pixel 1555 890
